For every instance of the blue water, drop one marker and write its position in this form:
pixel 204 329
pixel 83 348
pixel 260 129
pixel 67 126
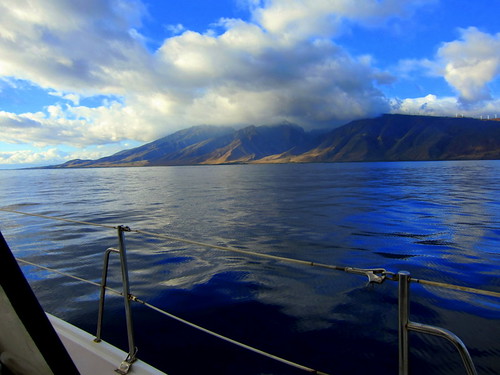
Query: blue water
pixel 438 220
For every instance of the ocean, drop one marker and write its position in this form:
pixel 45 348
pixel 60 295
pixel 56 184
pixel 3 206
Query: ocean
pixel 438 220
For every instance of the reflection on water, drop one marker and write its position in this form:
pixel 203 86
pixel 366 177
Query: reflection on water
pixel 438 220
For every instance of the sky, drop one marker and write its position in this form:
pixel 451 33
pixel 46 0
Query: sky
pixel 83 79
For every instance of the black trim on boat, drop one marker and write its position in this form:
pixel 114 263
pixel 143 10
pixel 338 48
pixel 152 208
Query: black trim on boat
pixel 31 315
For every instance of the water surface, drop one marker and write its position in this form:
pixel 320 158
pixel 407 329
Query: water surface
pixel 438 220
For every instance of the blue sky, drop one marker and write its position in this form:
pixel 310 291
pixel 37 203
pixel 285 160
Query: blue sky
pixel 85 79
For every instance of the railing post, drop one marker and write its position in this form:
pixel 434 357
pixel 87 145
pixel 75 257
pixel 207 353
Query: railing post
pixel 102 296
pixel 403 320
pixel 132 352
pixel 126 296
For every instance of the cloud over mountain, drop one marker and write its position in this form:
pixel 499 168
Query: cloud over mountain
pixel 385 138
pixel 285 62
pixel 471 63
pixel 280 66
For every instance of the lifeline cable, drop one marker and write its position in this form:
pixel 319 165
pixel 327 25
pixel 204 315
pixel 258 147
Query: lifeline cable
pixel 269 256
pixel 133 298
pixel 227 339
pixel 68 275
pixel 60 219
pixel 456 287
pixel 375 275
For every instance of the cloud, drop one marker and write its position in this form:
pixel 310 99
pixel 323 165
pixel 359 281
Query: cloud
pixel 427 105
pixel 251 72
pixel 407 68
pixel 79 126
pixel 72 46
pixel 31 157
pixel 299 19
pixel 49 156
pixel 175 29
pixel 470 63
pixel 74 98
pixel 246 75
pixel 281 65
pixel 432 105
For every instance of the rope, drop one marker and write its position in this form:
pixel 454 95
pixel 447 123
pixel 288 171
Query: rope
pixel 146 304
pixel 246 252
pixel 379 273
pixel 456 287
pixel 357 271
pixel 69 275
pixel 60 219
pixel 227 339
pixel 352 270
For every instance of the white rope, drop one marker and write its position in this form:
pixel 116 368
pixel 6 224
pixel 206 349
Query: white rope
pixel 246 252
pixel 224 338
pixel 353 270
pixel 227 339
pixel 60 219
pixel 358 271
pixel 456 287
pixel 69 275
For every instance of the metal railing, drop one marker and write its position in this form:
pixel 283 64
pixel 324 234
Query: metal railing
pixel 375 275
pixel 132 349
pixel 405 326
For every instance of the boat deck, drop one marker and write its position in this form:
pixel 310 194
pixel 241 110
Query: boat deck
pixel 95 358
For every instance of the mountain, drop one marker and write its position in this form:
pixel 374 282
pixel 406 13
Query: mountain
pixel 252 144
pixel 403 137
pixel 158 152
pixel 385 138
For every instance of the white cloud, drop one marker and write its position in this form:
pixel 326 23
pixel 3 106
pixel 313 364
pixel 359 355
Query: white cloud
pixel 175 29
pixel 470 63
pixel 72 46
pixel 432 105
pixel 247 74
pixel 31 157
pixel 408 67
pixel 281 65
pixel 74 98
pixel 81 126
pixel 300 19
pixel 50 156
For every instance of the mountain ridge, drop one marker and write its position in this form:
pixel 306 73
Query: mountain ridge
pixel 389 137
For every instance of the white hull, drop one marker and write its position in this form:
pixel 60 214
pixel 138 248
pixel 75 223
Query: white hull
pixel 93 358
